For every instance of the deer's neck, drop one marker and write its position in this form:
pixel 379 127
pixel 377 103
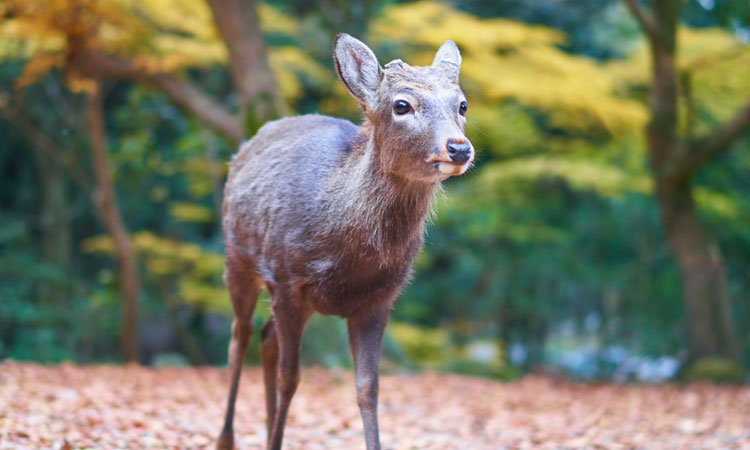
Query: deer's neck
pixel 381 210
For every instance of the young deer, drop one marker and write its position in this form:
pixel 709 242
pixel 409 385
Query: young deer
pixel 329 216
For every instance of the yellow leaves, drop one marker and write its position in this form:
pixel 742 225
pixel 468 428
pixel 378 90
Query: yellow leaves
pixel 197 272
pixel 158 35
pixel 98 244
pixel 161 34
pixel 429 24
pixel 605 179
pixel 292 66
pixel 274 21
pixel 420 344
pixel 196 293
pixel 20 38
pixel 712 68
pixel 37 67
pixel 81 84
pixel 503 59
pixel 701 48
pixel 717 204
pixel 715 75
pixel 572 90
pixel 188 18
pixel 190 212
pixel 180 51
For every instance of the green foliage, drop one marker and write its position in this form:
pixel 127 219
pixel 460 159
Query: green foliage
pixel 504 372
pixel 325 343
pixel 31 325
pixel 556 223
pixel 436 349
pixel 715 370
pixel 196 273
pixel 421 345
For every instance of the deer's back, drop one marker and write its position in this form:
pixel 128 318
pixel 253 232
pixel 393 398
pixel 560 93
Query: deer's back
pixel 272 199
pixel 280 171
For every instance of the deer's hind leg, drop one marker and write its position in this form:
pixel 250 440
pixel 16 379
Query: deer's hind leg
pixel 244 286
pixel 269 355
pixel 290 315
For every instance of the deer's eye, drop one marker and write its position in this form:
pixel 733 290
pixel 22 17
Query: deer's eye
pixel 462 108
pixel 401 107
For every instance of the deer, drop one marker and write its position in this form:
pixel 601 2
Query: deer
pixel 329 216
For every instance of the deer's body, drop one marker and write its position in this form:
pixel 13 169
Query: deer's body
pixel 347 241
pixel 329 217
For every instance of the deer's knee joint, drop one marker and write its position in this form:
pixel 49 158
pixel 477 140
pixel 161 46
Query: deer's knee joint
pixel 287 384
pixel 242 330
pixel 267 330
pixel 367 393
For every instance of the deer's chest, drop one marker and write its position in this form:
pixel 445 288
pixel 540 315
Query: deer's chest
pixel 351 281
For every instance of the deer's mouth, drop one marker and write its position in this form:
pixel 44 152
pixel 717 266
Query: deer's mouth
pixel 451 168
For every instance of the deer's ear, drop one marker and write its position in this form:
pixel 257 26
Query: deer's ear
pixel 448 58
pixel 358 68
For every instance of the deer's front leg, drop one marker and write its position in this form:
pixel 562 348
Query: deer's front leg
pixel 365 337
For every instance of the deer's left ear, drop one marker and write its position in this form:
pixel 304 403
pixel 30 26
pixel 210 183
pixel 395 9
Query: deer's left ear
pixel 448 58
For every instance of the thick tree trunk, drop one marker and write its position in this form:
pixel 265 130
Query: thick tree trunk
pixel 106 202
pixel 709 322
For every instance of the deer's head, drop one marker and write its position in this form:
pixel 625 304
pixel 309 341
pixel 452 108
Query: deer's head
pixel 417 114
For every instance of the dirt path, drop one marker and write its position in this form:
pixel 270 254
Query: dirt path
pixel 117 407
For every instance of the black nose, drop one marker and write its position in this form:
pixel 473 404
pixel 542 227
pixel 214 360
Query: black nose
pixel 459 152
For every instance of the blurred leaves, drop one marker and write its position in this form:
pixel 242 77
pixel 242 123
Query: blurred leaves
pixel 197 273
pixel 555 225
pixel 571 89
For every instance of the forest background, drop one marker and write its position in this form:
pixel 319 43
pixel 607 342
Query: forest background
pixel 604 232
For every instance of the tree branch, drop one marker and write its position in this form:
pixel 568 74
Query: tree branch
pixel 105 200
pixel 206 109
pixel 237 24
pixel 704 150
pixel 646 21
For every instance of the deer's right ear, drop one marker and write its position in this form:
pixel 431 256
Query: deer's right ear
pixel 358 68
pixel 449 59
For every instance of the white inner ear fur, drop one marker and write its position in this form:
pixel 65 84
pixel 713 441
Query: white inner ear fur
pixel 358 68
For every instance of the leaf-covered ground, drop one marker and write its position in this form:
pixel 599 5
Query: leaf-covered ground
pixel 114 407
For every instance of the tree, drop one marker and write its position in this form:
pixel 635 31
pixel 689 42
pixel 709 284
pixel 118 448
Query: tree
pixel 97 40
pixel 88 40
pixel 674 162
pixel 103 197
pixel 109 212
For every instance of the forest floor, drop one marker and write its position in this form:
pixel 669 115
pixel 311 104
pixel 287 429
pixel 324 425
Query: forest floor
pixel 118 407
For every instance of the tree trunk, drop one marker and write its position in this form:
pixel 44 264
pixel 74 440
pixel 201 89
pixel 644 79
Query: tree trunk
pixel 709 322
pixel 106 202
